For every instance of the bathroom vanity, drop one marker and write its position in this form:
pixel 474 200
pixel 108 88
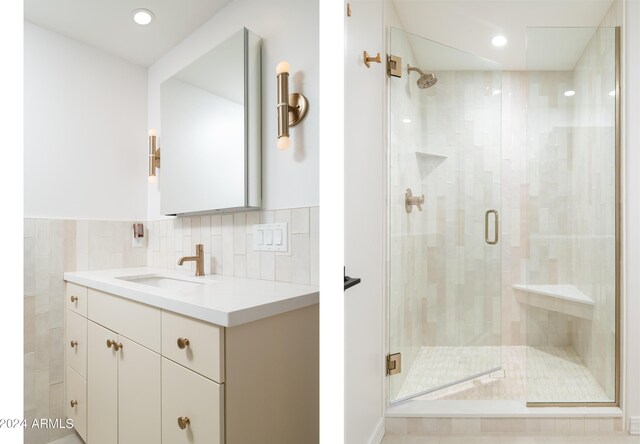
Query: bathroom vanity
pixel 156 356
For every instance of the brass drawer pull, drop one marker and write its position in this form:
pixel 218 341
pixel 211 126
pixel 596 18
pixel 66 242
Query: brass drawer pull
pixel 74 344
pixel 74 298
pixel 183 342
pixel 73 403
pixel 116 345
pixel 496 225
pixel 183 422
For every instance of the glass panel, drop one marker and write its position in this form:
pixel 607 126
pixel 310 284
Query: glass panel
pixel 570 292
pixel 444 277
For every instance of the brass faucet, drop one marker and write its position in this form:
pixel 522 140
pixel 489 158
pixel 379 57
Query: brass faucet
pixel 198 258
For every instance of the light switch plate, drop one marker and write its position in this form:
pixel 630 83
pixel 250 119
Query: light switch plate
pixel 270 237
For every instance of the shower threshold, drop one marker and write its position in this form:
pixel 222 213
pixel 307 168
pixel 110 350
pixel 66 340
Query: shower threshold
pixel 421 408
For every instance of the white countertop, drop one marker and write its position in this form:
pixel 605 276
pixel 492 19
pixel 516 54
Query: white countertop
pixel 222 300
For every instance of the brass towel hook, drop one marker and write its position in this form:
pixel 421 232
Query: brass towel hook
pixel 368 59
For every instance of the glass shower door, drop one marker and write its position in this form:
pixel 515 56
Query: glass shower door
pixel 444 196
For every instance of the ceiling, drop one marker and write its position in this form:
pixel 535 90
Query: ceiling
pixel 107 24
pixel 469 25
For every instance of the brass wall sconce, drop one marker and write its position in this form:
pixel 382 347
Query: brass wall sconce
pixel 292 108
pixel 154 155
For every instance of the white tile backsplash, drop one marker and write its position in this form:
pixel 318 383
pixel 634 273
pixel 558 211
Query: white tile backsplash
pixel 228 244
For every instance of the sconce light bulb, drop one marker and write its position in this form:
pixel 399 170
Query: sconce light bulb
pixel 153 179
pixel 152 132
pixel 283 143
pixel 282 67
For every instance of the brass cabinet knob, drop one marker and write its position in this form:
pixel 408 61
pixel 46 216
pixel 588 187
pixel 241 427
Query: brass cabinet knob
pixel 183 342
pixel 118 346
pixel 74 298
pixel 74 344
pixel 110 343
pixel 183 422
pixel 74 403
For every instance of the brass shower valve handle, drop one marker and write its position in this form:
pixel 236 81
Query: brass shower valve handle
pixel 410 200
pixel 368 59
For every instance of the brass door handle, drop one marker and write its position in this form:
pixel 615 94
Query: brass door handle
pixel 496 226
pixel 368 59
pixel 183 342
pixel 73 403
pixel 183 422
pixel 74 344
pixel 74 298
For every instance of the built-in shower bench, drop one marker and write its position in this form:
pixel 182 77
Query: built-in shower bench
pixel 562 298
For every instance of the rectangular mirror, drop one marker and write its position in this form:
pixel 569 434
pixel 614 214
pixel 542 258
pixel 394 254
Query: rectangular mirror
pixel 210 133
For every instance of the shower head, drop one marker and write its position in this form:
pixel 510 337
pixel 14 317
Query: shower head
pixel 426 80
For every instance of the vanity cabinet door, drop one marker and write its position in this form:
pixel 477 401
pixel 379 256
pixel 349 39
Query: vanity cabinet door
pixel 186 394
pixel 138 394
pixel 102 386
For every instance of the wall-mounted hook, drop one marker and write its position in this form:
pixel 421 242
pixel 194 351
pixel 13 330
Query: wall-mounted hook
pixel 368 59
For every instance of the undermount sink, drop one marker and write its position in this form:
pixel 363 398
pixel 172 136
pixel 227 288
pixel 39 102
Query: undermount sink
pixel 162 281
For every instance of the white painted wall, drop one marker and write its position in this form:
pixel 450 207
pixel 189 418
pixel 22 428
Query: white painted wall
pixel 84 131
pixel 631 214
pixel 364 225
pixel 289 31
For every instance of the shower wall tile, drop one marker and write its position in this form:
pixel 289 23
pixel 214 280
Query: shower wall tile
pixel 52 247
pixel 228 244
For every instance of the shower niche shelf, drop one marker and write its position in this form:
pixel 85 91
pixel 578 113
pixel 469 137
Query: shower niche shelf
pixel 562 298
pixel 427 162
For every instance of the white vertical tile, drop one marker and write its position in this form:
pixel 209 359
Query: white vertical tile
pixel 216 254
pixel 253 259
pixel 205 227
pixel 267 217
pixel 42 393
pixel 42 284
pixel 56 355
pixel 300 258
pixel 253 218
pixel 227 244
pixel 240 265
pixel 56 301
pixel 29 267
pixel 29 381
pixel 300 220
pixel 216 224
pixel 239 234
pixel 42 341
pixel 267 265
pixel 283 268
pixel 314 245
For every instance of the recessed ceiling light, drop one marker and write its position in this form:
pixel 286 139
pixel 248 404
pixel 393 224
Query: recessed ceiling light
pixel 495 92
pixel 142 16
pixel 612 93
pixel 406 120
pixel 570 93
pixel 499 41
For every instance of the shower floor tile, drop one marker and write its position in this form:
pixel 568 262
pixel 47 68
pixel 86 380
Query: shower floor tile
pixel 550 374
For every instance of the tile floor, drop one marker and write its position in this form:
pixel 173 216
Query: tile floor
pixel 614 438
pixel 551 374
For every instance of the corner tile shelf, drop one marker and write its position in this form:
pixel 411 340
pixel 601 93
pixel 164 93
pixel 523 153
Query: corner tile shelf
pixel 562 298
pixel 427 162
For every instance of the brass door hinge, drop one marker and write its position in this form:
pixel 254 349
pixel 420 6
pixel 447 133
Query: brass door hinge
pixel 394 364
pixel 394 66
pixel 348 9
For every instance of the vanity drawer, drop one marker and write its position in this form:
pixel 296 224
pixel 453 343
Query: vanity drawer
pixel 186 394
pixel 76 343
pixel 76 298
pixel 204 353
pixel 136 321
pixel 77 395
